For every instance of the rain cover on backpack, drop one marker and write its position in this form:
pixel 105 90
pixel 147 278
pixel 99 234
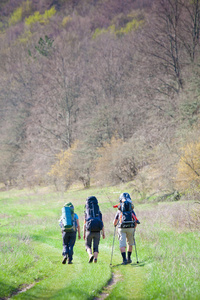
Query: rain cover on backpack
pixel 125 219
pixel 68 218
pixel 93 215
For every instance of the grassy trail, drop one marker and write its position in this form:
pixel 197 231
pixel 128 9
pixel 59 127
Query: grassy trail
pixel 77 281
pixel 82 280
pixel 31 247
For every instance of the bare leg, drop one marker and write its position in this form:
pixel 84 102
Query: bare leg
pixel 130 248
pixel 123 249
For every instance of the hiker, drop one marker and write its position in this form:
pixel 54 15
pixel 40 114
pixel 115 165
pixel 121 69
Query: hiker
pixel 93 225
pixel 69 223
pixel 128 198
pixel 126 220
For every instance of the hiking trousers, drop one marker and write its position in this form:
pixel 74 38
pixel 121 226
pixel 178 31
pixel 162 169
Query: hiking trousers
pixel 92 236
pixel 69 239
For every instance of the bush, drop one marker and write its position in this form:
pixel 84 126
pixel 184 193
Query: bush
pixel 189 166
pixel 116 163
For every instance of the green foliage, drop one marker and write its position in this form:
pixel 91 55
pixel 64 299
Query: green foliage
pixel 17 15
pixel 132 25
pixel 44 46
pixel 98 31
pixel 37 17
pixel 25 37
pixel 190 110
pixel 66 20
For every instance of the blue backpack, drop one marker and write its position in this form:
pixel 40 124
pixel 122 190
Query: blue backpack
pixel 93 215
pixel 68 218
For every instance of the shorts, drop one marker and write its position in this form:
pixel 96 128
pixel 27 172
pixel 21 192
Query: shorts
pixel 92 237
pixel 126 235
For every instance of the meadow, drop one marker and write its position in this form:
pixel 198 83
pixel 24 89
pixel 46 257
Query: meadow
pixel 167 242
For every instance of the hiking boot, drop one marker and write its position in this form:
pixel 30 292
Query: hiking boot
pixel 129 261
pixel 64 260
pixel 138 222
pixel 124 262
pixel 91 258
pixel 95 260
pixel 70 262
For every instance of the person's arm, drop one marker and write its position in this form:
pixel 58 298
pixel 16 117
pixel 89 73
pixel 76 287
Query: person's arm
pixel 84 230
pixel 115 222
pixel 79 231
pixel 61 223
pixel 134 219
pixel 103 232
pixel 116 219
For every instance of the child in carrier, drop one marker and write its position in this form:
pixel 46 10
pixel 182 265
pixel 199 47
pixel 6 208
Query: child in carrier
pixel 122 198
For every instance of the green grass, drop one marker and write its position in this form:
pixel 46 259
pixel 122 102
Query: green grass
pixel 174 273
pixel 31 247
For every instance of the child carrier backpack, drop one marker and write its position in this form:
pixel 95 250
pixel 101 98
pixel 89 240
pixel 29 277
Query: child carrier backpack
pixel 125 219
pixel 93 215
pixel 68 218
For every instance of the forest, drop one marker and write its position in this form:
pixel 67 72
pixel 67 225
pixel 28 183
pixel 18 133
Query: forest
pixel 101 92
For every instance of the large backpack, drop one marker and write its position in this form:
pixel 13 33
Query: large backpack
pixel 93 215
pixel 68 218
pixel 125 218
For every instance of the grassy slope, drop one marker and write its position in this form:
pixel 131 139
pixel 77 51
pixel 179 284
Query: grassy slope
pixel 31 249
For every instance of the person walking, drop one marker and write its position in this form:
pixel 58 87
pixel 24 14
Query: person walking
pixel 69 226
pixel 93 225
pixel 126 221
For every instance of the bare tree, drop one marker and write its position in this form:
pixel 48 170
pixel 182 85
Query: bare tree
pixel 190 25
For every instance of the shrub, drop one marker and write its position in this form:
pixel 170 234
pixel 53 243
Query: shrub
pixel 19 13
pixel 72 165
pixel 116 163
pixel 37 17
pixel 63 166
pixel 189 166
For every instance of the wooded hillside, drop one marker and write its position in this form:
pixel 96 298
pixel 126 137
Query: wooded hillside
pixel 100 92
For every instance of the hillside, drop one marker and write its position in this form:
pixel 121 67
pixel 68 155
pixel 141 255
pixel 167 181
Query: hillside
pixel 100 92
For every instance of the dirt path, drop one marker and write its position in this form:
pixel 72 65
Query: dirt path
pixel 107 289
pixel 21 290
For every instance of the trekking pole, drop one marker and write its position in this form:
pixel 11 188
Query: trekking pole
pixel 135 249
pixel 113 246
